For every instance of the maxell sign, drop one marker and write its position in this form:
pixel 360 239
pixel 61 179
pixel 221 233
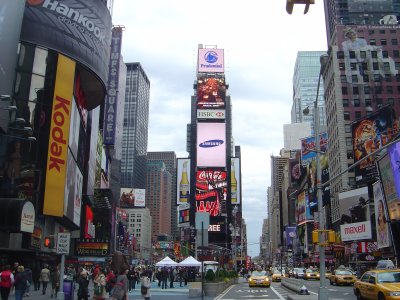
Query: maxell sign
pixel 210 114
pixel 110 109
pixel 356 231
pixel 211 61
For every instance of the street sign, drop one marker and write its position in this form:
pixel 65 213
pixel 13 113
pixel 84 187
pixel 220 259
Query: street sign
pixel 63 241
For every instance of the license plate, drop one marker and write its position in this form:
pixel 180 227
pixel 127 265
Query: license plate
pixel 259 281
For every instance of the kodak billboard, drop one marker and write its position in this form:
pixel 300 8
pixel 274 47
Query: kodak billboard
pixel 56 167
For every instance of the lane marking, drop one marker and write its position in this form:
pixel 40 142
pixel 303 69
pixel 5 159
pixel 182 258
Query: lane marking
pixel 276 292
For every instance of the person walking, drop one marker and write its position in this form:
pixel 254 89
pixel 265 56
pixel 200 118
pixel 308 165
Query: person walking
pixel 172 273
pixel 28 273
pixel 110 280
pixel 44 278
pixel 131 278
pixel 55 282
pixel 36 277
pixel 146 284
pixel 100 285
pixel 20 283
pixel 164 278
pixel 6 282
pixel 121 287
pixel 83 283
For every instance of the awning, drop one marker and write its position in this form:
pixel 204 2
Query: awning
pixel 16 215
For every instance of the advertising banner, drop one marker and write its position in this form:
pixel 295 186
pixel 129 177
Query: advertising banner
pixel 91 247
pixel 354 206
pixel 381 219
pixel 356 231
pixel 211 192
pixel 308 147
pixel 211 93
pixel 303 208
pixel 389 187
pixel 296 171
pixel 53 204
pixel 358 57
pixel 211 61
pixel 73 191
pixel 131 198
pixel 110 104
pixel 89 230
pixel 235 181
pixel 218 114
pixel 183 181
pixel 369 135
pixel 211 145
pixel 80 29
pixel 183 215
pixel 217 230
pixel 290 235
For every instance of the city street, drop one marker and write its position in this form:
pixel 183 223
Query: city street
pixel 334 292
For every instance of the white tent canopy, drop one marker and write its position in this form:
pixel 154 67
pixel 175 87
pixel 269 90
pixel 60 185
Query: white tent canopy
pixel 190 262
pixel 166 262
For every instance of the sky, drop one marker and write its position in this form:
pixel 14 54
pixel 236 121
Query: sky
pixel 260 41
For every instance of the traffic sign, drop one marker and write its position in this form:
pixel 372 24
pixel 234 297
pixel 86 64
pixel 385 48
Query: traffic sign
pixel 63 241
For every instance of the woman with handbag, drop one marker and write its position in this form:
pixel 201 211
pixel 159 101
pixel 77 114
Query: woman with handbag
pixel 145 285
pixel 120 290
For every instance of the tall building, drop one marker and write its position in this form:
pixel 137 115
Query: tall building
pixel 348 12
pixel 158 198
pixel 139 224
pixel 169 159
pixel 135 128
pixel 305 85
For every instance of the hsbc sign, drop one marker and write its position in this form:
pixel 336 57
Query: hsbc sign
pixel 210 114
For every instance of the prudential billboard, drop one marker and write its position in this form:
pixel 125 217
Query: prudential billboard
pixel 211 145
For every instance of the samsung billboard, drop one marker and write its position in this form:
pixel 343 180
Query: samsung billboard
pixel 211 145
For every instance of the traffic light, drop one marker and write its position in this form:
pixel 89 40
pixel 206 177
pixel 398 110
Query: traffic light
pixel 315 238
pixel 49 242
pixel 331 236
pixel 291 3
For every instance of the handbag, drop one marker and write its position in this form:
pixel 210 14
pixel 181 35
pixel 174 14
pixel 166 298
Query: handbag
pixel 118 291
pixel 143 289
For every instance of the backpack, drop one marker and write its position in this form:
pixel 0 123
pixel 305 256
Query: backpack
pixel 118 291
pixel 5 279
pixel 110 283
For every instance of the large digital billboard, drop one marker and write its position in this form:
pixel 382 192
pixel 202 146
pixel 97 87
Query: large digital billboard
pixel 308 153
pixel 183 215
pixel 211 93
pixel 382 221
pixel 370 134
pixel 210 61
pixel 303 212
pixel 183 181
pixel 73 191
pixel 211 145
pixel 211 192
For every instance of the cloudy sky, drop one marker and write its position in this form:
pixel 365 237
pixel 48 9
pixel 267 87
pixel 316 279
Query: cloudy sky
pixel 261 42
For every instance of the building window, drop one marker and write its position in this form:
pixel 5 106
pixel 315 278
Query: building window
pixel 375 66
pixel 389 89
pixel 344 90
pixel 349 141
pixel 349 154
pixel 341 66
pixel 374 54
pixel 352 181
pixel 347 128
pixel 363 54
pixel 355 90
pixel 345 102
pixel 368 102
pixel 356 102
pixel 377 77
pixel 358 115
pixel 354 78
pixel 365 79
pixel 372 42
pixel 352 54
pixel 388 77
pixel 390 101
pixel 340 55
pixel 394 42
pixel 385 54
pixel 378 101
pixel 346 115
pixel 343 78
pixel 396 53
pixel 383 42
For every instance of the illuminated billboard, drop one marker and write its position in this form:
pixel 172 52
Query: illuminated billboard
pixel 211 93
pixel 354 206
pixel 368 135
pixel 235 181
pixel 211 192
pixel 308 153
pixel 303 212
pixel 183 181
pixel 211 145
pixel 183 215
pixel 131 198
pixel 381 219
pixel 73 191
pixel 210 61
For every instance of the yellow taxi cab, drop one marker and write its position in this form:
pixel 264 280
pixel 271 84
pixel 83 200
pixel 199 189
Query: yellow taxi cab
pixel 311 274
pixel 341 276
pixel 378 285
pixel 259 278
pixel 328 274
pixel 277 275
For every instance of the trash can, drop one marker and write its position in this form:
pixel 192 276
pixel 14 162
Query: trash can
pixel 68 289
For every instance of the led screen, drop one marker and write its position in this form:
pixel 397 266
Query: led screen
pixel 211 61
pixel 211 93
pixel 211 145
pixel 183 181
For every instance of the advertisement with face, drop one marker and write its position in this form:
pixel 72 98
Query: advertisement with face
pixel 183 181
pixel 210 61
pixel 381 219
pixel 211 145
pixel 394 154
pixel 359 55
pixel 369 135
pixel 301 208
pixel 389 187
pixel 354 206
pixel 211 192
pixel 211 93
pixel 73 191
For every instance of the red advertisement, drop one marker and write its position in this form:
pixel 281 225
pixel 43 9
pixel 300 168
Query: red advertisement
pixel 211 192
pixel 248 262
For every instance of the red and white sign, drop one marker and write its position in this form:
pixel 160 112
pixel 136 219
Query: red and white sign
pixel 367 247
pixel 356 231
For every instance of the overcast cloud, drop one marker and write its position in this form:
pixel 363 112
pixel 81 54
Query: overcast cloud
pixel 261 42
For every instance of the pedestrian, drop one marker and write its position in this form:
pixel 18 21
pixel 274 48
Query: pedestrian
pixel 164 278
pixel 36 277
pixel 83 283
pixel 6 282
pixel 120 291
pixel 100 285
pixel 55 282
pixel 145 285
pixel 131 278
pixel 28 273
pixel 44 278
pixel 20 283
pixel 172 273
pixel 110 281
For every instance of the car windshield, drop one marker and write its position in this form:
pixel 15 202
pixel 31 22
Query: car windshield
pixel 279 272
pixel 299 270
pixel 389 277
pixel 343 272
pixel 259 273
pixel 311 271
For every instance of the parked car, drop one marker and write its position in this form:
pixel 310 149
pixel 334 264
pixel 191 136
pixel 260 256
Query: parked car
pixel 381 284
pixel 298 273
